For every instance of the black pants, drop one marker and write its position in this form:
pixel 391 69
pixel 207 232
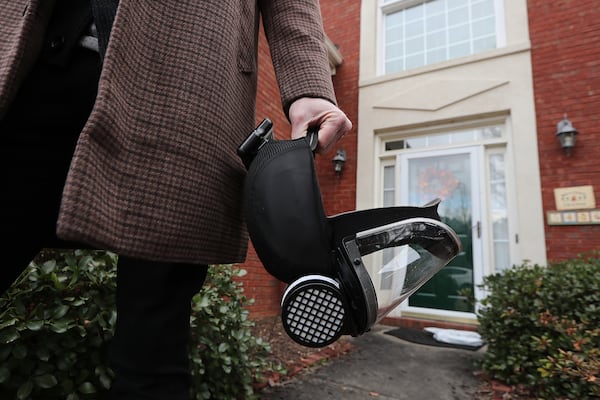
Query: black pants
pixel 149 352
pixel 39 133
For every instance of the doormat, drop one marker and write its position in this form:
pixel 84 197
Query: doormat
pixel 420 336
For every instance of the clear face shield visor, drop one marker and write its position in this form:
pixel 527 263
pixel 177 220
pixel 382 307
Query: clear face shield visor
pixel 404 255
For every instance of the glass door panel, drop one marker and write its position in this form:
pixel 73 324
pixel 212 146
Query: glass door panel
pixel 452 177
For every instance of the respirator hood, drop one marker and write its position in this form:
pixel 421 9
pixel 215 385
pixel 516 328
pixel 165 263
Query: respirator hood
pixel 330 291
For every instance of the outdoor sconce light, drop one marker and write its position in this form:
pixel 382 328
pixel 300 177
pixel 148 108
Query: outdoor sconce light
pixel 566 135
pixel 338 161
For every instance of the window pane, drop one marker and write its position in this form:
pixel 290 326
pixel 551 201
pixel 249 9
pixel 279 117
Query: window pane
pixel 394 51
pixel 459 27
pixel 388 197
pixel 498 196
pixel 482 9
pixel 435 7
pixel 394 19
pixel 395 34
pixel 389 185
pixel 436 56
pixel 501 256
pixel 414 13
pixel 480 45
pixel 500 228
pixel 458 16
pixel 415 61
pixel 496 161
pixel 394 66
pixel 415 143
pixel 460 50
pixel 415 45
pixel 388 180
pixel 436 22
pixel 496 168
pixel 438 140
pixel 458 34
pixel 437 39
pixel 457 3
pixel 484 27
pixel 463 137
pixel 491 132
pixel 499 211
pixel 415 28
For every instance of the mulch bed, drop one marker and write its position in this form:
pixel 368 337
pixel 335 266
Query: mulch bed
pixel 293 357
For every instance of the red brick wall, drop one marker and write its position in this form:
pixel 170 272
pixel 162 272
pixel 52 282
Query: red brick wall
pixel 341 20
pixel 565 39
pixel 342 25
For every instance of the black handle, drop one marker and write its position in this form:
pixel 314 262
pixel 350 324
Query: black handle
pixel 312 136
pixel 254 141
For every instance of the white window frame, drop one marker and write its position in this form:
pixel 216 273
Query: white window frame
pixel 398 5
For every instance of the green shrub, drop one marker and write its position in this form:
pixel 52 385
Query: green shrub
pixel 57 320
pixel 542 326
pixel 227 358
pixel 55 323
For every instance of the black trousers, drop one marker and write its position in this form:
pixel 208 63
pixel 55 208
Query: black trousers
pixel 39 133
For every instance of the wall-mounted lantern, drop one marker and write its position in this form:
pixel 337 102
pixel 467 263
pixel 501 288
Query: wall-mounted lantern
pixel 338 161
pixel 566 135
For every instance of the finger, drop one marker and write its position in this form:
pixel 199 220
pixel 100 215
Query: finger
pixel 299 130
pixel 331 131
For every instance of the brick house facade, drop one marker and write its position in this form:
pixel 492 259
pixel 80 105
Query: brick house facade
pixel 557 48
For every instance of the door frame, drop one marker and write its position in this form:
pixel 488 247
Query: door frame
pixel 478 213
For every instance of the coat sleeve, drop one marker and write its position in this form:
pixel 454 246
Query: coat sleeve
pixel 294 30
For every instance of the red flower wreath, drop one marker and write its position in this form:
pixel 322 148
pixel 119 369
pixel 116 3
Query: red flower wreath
pixel 437 182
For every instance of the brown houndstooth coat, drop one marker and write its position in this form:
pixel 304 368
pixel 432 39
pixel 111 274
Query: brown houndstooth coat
pixel 155 173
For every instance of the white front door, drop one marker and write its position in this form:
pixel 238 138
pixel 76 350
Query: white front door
pixel 455 177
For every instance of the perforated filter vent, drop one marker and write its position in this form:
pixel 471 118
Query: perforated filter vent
pixel 313 311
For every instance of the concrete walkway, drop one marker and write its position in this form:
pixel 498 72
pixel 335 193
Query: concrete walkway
pixel 384 367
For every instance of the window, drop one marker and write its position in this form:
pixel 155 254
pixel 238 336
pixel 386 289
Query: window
pixel 499 210
pixel 389 200
pixel 418 33
pixel 464 136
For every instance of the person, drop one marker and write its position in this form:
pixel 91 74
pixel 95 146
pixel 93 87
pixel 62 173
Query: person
pixel 132 148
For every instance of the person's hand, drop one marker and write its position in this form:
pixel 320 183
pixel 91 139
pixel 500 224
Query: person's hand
pixel 308 112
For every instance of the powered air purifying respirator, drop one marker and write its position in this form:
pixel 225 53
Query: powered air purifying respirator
pixel 330 263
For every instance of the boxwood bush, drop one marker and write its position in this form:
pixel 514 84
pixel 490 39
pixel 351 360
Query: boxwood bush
pixel 226 358
pixel 542 326
pixel 58 318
